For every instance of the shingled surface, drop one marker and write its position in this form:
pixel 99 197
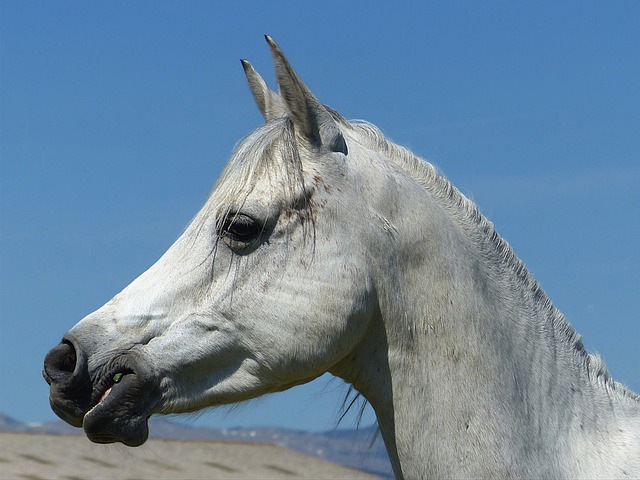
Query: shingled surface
pixel 72 457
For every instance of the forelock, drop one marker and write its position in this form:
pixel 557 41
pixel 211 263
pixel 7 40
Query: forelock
pixel 269 151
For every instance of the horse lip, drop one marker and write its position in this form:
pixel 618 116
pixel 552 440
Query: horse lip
pixel 101 395
pixel 103 387
pixel 66 411
pixel 120 411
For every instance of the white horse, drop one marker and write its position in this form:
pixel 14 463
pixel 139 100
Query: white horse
pixel 324 247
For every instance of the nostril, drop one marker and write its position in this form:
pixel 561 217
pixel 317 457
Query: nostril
pixel 60 362
pixel 68 360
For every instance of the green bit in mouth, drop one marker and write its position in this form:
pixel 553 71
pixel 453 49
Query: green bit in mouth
pixel 117 377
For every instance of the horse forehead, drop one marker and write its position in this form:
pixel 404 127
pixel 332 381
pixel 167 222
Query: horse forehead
pixel 263 187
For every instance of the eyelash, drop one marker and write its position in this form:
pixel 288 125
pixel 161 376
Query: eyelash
pixel 240 228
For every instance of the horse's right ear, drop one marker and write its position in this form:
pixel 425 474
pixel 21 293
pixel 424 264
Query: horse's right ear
pixel 309 115
pixel 268 101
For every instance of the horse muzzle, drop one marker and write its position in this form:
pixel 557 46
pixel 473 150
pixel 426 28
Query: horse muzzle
pixel 112 403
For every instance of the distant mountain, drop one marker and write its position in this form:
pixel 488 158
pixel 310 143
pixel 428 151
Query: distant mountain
pixel 361 448
pixel 8 424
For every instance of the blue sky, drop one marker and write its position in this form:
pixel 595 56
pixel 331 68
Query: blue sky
pixel 116 118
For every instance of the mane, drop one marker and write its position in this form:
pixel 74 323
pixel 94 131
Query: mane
pixel 482 230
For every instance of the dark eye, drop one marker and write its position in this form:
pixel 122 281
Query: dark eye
pixel 240 228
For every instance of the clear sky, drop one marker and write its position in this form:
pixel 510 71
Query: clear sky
pixel 116 118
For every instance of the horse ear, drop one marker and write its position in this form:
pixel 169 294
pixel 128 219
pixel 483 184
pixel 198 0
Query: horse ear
pixel 308 114
pixel 268 101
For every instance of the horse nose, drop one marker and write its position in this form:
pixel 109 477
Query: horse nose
pixel 65 370
pixel 60 363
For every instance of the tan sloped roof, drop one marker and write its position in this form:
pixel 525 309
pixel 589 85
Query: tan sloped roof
pixel 72 457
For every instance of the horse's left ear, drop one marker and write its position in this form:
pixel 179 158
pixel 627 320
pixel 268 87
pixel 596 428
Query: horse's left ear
pixel 308 114
pixel 268 101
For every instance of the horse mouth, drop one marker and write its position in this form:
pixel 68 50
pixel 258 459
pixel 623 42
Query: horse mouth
pixel 121 412
pixel 113 404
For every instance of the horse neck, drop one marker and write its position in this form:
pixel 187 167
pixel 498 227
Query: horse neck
pixel 468 359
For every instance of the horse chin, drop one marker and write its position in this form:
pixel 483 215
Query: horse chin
pixel 122 413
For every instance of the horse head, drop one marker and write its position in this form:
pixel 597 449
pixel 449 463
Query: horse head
pixel 255 296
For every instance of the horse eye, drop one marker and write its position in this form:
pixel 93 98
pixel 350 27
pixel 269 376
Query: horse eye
pixel 240 228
